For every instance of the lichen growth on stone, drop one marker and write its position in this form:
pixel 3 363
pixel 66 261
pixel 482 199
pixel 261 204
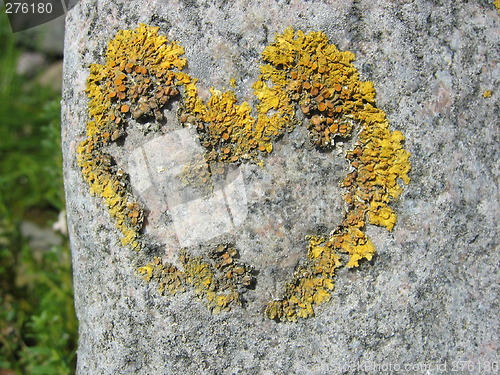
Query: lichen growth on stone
pixel 196 174
pixel 220 280
pixel 311 284
pixel 323 82
pixel 305 79
pixel 136 81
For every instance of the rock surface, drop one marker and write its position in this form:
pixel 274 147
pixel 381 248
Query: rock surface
pixel 426 302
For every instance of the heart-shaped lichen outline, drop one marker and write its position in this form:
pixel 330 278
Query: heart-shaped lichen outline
pixel 143 71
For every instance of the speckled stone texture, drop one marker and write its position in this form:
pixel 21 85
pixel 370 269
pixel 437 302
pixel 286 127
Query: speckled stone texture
pixel 428 301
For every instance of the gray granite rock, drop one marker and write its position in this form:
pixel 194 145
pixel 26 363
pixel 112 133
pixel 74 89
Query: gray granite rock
pixel 427 303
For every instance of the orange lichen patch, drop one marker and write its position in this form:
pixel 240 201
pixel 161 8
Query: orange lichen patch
pixel 381 162
pixel 137 80
pixel 225 127
pixel 196 175
pixel 306 69
pixel 167 276
pixel 228 130
pixel 100 173
pixel 311 284
pixel 355 243
pixel 220 279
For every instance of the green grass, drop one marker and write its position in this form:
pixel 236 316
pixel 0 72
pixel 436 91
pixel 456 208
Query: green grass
pixel 38 327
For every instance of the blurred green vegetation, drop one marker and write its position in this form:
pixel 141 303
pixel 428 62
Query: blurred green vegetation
pixel 38 327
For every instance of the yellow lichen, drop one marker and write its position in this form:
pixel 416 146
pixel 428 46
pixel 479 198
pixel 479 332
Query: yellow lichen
pixel 326 87
pixel 487 93
pixel 497 5
pixel 136 80
pixel 196 175
pixel 305 79
pixel 220 280
pixel 311 284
